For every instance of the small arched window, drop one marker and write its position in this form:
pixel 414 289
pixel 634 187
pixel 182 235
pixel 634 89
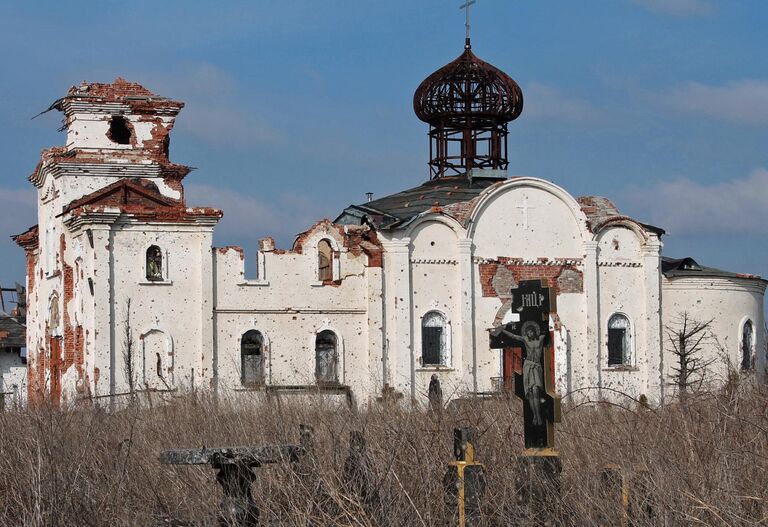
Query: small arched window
pixel 434 340
pixel 324 261
pixel 619 341
pixel 747 345
pixel 154 264
pixel 251 358
pixel 326 357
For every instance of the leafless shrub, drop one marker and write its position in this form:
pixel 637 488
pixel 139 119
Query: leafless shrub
pixel 701 463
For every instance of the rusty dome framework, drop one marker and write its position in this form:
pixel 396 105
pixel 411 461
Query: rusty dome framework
pixel 467 104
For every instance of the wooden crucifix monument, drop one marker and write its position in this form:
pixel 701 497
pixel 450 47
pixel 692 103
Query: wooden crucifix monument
pixel 526 330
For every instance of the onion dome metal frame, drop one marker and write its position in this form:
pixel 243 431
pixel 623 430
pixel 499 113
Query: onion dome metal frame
pixel 467 104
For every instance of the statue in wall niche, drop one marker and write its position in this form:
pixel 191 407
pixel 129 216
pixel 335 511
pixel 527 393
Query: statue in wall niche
pixel 154 264
pixel 53 316
pixel 533 365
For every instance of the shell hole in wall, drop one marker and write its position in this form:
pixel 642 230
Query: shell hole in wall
pixel 119 131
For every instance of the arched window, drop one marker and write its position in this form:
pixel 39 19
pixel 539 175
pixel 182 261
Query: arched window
pixel 324 261
pixel 251 358
pixel 154 264
pixel 326 357
pixel 747 345
pixel 619 341
pixel 434 340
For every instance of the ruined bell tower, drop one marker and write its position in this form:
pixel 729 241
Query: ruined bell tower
pixel 116 252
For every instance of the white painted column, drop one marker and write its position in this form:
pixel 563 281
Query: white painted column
pixel 466 354
pixel 653 344
pixel 376 332
pixel 207 369
pixel 400 359
pixel 593 355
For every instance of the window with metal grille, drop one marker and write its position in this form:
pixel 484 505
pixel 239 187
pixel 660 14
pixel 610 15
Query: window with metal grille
pixel 619 341
pixel 434 340
pixel 326 357
pixel 747 336
pixel 251 358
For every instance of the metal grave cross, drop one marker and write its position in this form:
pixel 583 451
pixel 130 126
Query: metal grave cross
pixel 534 379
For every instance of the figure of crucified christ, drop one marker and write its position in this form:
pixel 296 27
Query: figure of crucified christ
pixel 533 366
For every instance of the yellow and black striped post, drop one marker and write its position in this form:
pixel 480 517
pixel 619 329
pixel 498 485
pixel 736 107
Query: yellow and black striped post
pixel 464 481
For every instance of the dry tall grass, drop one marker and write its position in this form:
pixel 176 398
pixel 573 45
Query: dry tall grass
pixel 707 462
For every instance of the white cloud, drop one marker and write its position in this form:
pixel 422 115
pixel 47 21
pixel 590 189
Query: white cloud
pixel 741 102
pixel 678 7
pixel 738 206
pixel 18 210
pixel 248 218
pixel 548 103
pixel 215 112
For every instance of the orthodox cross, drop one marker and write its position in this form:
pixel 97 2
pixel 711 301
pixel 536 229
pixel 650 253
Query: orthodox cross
pixel 465 6
pixel 534 371
pixel 525 208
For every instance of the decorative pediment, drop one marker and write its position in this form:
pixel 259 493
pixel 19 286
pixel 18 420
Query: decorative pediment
pixel 140 193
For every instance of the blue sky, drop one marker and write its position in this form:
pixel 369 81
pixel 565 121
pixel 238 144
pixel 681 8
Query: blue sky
pixel 296 108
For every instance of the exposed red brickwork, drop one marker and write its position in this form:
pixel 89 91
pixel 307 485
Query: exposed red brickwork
pixel 36 369
pixel 237 249
pixel 267 244
pixel 171 173
pixel 72 353
pixel 357 239
pixel 550 273
pixel 462 210
pixel 141 199
pixel 115 91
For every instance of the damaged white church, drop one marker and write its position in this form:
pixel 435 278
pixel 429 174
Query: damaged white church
pixel 126 292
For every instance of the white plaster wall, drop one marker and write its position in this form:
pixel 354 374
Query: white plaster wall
pixel 555 230
pixel 553 227
pixel 70 184
pixel 575 360
pixel 288 305
pixel 13 379
pixel 89 130
pixel 727 302
pixel 622 290
pixel 289 351
pixel 171 317
pixel 436 286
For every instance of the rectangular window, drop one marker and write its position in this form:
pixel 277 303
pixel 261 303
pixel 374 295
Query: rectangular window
pixel 616 346
pixel 430 345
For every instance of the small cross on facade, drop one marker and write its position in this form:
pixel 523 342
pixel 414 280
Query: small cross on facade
pixel 525 208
